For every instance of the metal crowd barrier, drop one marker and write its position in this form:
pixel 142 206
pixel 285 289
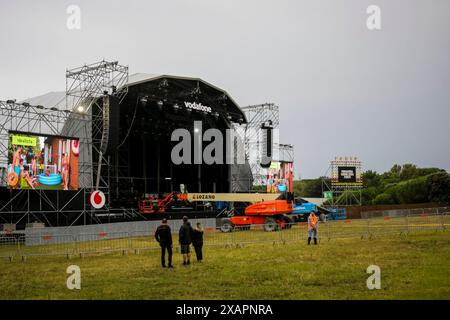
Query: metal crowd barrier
pixel 23 246
pixel 9 247
pixel 103 242
pixel 143 240
pixel 46 245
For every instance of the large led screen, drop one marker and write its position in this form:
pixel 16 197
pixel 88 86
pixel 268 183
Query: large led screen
pixel 42 162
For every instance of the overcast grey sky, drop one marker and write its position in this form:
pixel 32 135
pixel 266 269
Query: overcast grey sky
pixel 381 95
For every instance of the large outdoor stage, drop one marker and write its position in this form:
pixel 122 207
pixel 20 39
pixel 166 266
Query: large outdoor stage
pixel 116 133
pixel 123 125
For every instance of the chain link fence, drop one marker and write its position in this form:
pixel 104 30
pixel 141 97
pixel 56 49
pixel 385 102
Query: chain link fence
pixel 375 225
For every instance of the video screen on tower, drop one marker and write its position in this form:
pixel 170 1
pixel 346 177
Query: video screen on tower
pixel 346 174
pixel 280 177
pixel 42 162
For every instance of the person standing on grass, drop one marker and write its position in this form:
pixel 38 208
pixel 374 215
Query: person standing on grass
pixel 313 227
pixel 197 241
pixel 185 239
pixel 163 235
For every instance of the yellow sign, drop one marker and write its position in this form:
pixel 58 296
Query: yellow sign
pixel 24 141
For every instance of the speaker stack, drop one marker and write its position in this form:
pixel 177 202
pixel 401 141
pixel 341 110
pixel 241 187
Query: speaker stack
pixel 267 134
pixel 111 124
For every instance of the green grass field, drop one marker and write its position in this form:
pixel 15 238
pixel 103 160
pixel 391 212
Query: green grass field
pixel 412 267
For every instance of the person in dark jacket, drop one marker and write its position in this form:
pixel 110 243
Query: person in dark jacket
pixel 197 241
pixel 163 235
pixel 185 239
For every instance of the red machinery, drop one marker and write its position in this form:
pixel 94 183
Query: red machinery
pixel 271 214
pixel 156 205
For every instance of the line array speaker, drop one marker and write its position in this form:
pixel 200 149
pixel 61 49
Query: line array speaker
pixel 111 124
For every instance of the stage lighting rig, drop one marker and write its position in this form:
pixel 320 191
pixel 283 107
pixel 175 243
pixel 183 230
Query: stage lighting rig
pixel 196 91
pixel 143 100
pixel 222 99
pixel 163 84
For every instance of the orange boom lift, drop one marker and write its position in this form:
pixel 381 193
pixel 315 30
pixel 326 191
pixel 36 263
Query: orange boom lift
pixel 270 214
pixel 269 210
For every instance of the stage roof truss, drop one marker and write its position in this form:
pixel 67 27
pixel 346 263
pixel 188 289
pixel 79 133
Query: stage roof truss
pixel 85 84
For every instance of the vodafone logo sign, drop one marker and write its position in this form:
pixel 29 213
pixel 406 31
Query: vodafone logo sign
pixel 97 199
pixel 197 106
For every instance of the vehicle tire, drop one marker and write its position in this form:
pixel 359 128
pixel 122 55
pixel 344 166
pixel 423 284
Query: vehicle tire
pixel 227 227
pixel 270 224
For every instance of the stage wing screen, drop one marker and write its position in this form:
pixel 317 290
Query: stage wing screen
pixel 346 174
pixel 42 162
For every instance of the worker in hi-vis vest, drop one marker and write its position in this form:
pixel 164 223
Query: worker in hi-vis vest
pixel 313 227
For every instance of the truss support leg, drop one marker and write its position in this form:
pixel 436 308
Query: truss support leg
pixel 100 156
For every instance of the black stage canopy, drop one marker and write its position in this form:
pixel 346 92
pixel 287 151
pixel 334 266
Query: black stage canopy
pixel 153 108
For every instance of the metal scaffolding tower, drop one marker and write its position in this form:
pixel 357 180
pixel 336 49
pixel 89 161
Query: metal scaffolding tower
pixel 87 90
pixel 258 115
pixel 84 117
pixel 341 194
pixel 85 84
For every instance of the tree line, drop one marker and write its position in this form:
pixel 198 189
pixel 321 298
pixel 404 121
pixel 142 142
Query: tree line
pixel 402 184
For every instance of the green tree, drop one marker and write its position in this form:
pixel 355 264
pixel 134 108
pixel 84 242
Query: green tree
pixel 411 191
pixel 299 186
pixel 439 187
pixel 309 187
pixel 427 171
pixel 383 198
pixel 408 171
pixel 395 171
pixel 368 195
pixel 371 179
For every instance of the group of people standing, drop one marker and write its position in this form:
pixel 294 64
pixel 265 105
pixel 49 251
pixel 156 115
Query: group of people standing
pixel 186 236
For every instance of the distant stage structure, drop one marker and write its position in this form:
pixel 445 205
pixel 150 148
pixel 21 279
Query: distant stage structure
pixel 345 182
